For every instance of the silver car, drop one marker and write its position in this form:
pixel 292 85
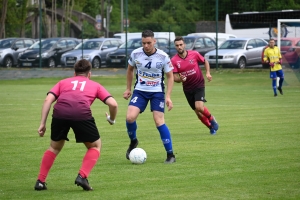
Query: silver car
pixel 10 49
pixel 93 50
pixel 238 52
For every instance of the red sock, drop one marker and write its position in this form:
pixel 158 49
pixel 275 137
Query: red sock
pixel 207 114
pixel 205 121
pixel 89 161
pixel 46 164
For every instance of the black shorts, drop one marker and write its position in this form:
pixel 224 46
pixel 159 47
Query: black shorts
pixel 85 130
pixel 197 94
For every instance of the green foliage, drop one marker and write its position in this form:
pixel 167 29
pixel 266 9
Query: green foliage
pixel 255 154
pixel 91 7
pixel 89 31
pixel 159 15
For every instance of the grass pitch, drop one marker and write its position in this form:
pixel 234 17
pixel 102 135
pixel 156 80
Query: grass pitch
pixel 255 154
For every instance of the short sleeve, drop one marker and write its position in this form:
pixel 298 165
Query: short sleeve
pixel 200 58
pixel 102 93
pixel 131 59
pixel 168 65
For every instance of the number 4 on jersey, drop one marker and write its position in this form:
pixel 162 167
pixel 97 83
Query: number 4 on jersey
pixel 148 65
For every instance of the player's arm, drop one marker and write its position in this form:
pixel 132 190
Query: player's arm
pixel 266 60
pixel 45 111
pixel 279 57
pixel 129 78
pixel 170 78
pixel 178 77
pixel 113 109
pixel 207 68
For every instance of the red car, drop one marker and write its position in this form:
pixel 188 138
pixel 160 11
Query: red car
pixel 290 52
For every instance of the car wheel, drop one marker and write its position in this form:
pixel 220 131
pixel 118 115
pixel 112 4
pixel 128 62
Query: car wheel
pixel 96 63
pixel 51 63
pixel 8 62
pixel 242 63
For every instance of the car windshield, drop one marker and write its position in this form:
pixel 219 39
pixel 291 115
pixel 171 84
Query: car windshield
pixel 89 45
pixel 233 44
pixel 189 42
pixel 285 43
pixel 132 44
pixel 6 43
pixel 46 44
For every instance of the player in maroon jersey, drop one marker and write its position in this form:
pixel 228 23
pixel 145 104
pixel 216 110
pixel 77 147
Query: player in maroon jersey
pixel 187 71
pixel 74 97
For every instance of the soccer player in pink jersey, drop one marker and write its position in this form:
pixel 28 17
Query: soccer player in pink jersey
pixel 187 71
pixel 74 97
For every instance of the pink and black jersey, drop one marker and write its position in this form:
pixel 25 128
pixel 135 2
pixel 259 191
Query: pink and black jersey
pixel 189 67
pixel 74 97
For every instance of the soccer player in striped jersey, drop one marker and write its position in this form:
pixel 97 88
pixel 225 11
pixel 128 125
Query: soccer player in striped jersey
pixel 187 71
pixel 151 66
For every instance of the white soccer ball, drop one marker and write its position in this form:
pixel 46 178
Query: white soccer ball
pixel 138 156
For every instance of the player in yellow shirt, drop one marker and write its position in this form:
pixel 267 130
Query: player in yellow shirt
pixel 272 56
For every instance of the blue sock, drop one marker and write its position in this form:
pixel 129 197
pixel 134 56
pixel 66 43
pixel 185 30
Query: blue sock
pixel 131 130
pixel 165 136
pixel 274 82
pixel 280 82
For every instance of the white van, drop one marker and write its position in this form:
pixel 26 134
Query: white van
pixel 168 35
pixel 222 37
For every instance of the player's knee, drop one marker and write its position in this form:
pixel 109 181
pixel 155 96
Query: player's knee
pixel 130 119
pixel 199 109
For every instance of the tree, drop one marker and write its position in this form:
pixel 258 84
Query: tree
pixel 3 17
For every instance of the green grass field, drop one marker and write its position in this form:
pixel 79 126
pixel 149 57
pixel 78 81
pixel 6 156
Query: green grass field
pixel 255 154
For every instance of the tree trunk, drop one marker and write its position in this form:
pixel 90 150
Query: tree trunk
pixel 46 20
pixel 3 18
pixel 52 18
pixel 62 30
pixel 55 20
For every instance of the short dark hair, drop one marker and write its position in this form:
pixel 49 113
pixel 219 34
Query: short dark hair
pixel 178 38
pixel 147 33
pixel 272 39
pixel 82 67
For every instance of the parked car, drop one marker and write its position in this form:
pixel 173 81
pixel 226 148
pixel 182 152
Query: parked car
pixel 290 52
pixel 171 50
pixel 51 51
pixel 202 44
pixel 10 49
pixel 222 37
pixel 238 52
pixel 93 50
pixel 117 58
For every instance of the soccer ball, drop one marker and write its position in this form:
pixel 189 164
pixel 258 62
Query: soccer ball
pixel 138 156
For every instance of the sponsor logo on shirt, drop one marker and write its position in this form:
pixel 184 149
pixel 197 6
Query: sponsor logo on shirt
pixel 191 61
pixel 159 65
pixel 149 75
pixel 149 83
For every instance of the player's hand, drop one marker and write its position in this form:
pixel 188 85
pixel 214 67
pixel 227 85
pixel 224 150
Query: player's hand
pixel 127 94
pixel 111 122
pixel 182 77
pixel 169 104
pixel 271 64
pixel 42 130
pixel 209 77
pixel 280 61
